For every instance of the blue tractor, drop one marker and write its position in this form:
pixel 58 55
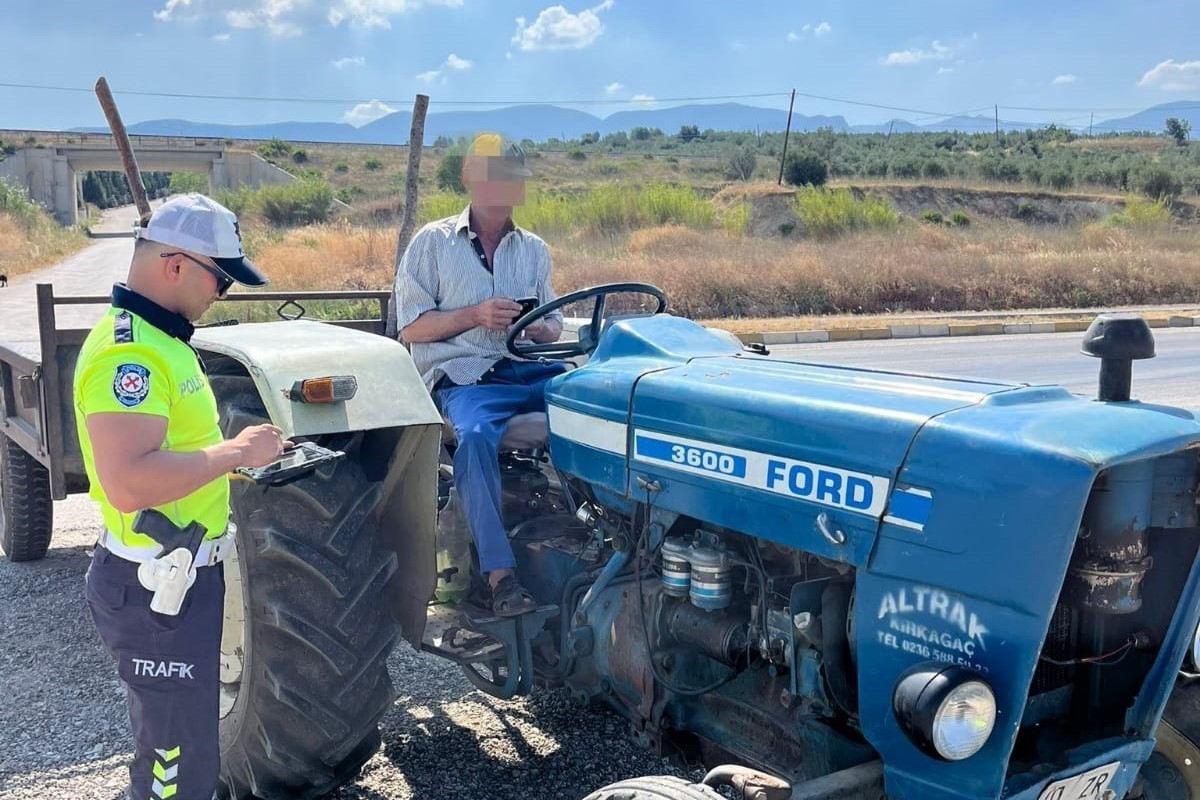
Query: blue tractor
pixel 831 582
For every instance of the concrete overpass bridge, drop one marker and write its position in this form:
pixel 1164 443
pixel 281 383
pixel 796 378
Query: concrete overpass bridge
pixel 54 175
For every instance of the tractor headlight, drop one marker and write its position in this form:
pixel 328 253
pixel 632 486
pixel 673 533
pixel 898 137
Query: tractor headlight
pixel 948 711
pixel 1194 653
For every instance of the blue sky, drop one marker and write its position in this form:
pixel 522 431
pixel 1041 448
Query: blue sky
pixel 941 56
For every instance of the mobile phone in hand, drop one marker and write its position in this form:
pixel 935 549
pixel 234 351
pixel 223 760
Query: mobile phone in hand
pixel 527 304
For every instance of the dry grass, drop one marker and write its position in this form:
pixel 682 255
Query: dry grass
pixel 714 275
pixel 25 248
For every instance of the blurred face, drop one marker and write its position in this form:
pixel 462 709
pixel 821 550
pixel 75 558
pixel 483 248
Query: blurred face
pixel 489 181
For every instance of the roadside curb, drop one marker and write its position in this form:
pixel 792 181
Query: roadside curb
pixel 915 331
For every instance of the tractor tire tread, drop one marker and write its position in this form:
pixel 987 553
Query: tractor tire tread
pixel 28 509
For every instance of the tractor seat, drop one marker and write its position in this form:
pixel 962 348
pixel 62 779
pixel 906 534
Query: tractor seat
pixel 525 432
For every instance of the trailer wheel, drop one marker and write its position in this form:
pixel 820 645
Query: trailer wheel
pixel 308 631
pixel 1173 770
pixel 26 510
pixel 655 787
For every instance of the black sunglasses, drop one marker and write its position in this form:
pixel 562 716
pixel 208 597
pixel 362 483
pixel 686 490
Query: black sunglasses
pixel 224 282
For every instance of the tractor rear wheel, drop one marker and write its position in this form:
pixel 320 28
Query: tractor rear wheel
pixel 308 629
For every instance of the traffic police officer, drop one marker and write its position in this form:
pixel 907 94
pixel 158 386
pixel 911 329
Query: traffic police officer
pixel 148 428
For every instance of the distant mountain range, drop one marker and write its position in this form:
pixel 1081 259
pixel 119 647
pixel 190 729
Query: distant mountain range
pixel 542 122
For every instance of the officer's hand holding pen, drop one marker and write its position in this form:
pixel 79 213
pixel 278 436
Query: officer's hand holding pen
pixel 260 445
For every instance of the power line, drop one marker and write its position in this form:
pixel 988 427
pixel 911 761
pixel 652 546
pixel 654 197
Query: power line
pixel 346 101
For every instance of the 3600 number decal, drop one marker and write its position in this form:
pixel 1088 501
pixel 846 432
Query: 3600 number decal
pixel 704 459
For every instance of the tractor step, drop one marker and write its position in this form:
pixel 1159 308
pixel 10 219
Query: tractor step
pixel 495 653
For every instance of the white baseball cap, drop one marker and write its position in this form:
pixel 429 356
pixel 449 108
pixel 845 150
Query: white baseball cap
pixel 201 225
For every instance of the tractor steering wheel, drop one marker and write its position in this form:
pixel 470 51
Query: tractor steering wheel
pixel 590 336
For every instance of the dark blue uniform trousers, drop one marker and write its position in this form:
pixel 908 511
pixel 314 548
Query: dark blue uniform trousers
pixel 170 666
pixel 479 414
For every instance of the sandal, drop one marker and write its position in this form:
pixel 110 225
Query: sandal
pixel 510 599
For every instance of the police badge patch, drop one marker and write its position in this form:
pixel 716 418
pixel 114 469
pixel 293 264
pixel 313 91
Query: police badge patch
pixel 131 384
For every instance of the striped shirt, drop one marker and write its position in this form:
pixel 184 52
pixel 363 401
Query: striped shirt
pixel 441 271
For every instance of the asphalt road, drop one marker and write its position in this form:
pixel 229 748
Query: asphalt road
pixel 1172 377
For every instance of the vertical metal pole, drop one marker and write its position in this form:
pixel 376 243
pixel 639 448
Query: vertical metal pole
pixel 786 131
pixel 52 409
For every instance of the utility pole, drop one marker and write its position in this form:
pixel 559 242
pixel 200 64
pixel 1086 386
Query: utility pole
pixel 416 139
pixel 1090 123
pixel 786 131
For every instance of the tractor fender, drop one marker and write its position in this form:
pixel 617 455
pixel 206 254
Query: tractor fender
pixel 277 355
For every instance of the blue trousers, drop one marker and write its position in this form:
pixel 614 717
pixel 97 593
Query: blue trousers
pixel 479 414
pixel 170 666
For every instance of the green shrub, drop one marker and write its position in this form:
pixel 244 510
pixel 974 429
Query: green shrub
pixel 933 217
pixel 805 169
pixel 960 219
pixel 299 156
pixel 449 175
pixel 786 228
pixel 1142 214
pixel 439 205
pixel 373 164
pixel 273 149
pixel 828 213
pixel 575 154
pixel 736 218
pixel 341 166
pixel 186 182
pixel 739 166
pixel 1060 179
pixel 239 201
pixel 934 169
pixel 1024 210
pixel 300 203
pixel 1158 183
pixel 905 168
pixel 14 201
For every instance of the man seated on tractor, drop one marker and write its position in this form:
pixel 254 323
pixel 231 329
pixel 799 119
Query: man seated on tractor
pixel 456 299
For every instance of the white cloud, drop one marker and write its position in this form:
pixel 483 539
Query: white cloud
pixel 557 29
pixel 1173 76
pixel 378 13
pixel 936 52
pixel 737 45
pixel 273 15
pixel 363 113
pixel 168 11
pixel 342 63
pixel 452 62
pixel 221 37
pixel 292 17
pixel 945 70
pixel 1063 80
pixel 818 30
pixel 644 99
pixel 613 88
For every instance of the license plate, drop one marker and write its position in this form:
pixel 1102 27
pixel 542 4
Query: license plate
pixel 1088 785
